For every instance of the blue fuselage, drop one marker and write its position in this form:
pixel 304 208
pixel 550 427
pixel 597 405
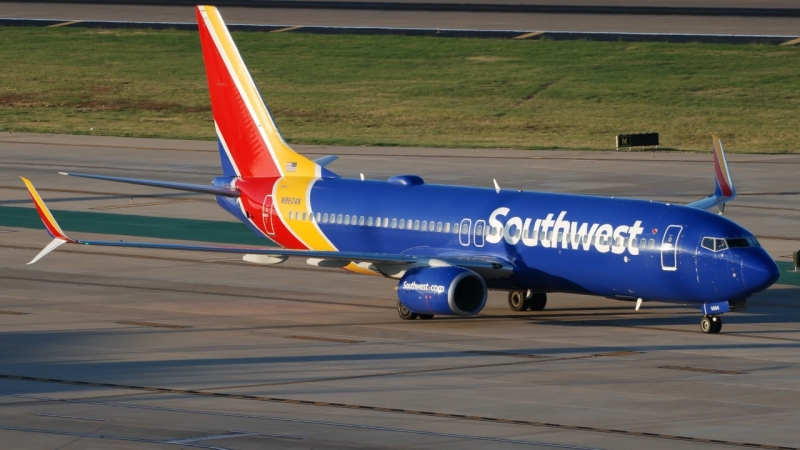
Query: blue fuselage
pixel 613 247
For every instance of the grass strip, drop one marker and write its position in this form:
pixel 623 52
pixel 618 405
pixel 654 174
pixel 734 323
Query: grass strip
pixel 138 226
pixel 408 91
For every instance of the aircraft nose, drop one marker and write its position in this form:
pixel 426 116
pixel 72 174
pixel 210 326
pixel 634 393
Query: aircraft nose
pixel 759 271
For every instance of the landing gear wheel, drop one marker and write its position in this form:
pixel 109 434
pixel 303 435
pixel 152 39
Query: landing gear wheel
pixel 716 324
pixel 405 313
pixel 710 324
pixel 425 316
pixel 517 301
pixel 537 301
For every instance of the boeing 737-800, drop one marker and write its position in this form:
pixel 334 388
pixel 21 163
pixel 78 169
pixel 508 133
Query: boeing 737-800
pixel 448 245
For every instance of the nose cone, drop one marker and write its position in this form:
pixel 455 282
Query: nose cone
pixel 759 271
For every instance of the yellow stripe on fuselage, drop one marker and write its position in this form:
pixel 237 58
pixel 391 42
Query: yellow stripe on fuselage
pixel 294 195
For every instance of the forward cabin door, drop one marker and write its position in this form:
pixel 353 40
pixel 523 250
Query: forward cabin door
pixel 463 236
pixel 669 248
pixel 268 211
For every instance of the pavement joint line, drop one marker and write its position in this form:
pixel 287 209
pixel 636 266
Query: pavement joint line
pixel 153 324
pixel 283 30
pixel 64 24
pixel 13 313
pixel 399 411
pixel 543 359
pixel 303 421
pixel 59 416
pixel 792 42
pixel 324 339
pixel 698 369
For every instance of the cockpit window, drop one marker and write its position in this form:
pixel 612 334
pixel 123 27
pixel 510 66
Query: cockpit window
pixel 743 242
pixel 714 244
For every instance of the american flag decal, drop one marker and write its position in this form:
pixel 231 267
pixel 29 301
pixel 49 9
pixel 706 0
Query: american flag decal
pixel 291 166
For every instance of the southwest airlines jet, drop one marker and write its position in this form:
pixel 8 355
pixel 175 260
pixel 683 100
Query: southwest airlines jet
pixel 448 245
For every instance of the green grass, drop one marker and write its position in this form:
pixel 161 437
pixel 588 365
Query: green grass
pixel 409 91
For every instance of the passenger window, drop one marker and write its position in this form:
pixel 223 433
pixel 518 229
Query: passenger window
pixel 339 219
pixel 369 221
pixel 439 227
pixel 319 216
pixel 378 222
pixel 361 220
pixel 543 236
pixel 455 228
pixel 549 235
pixel 394 223
pixel 478 229
pixel 402 224
pixel 385 222
pixel 634 243
pixel 618 242
pixel 447 227
pixel 517 233
pixel 304 216
pixel 652 244
pixel 643 243
pixel 431 224
pixel 586 239
pixel 416 224
pixel 424 226
pixel 347 220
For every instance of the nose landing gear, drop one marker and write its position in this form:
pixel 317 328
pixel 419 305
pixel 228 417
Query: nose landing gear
pixel 711 324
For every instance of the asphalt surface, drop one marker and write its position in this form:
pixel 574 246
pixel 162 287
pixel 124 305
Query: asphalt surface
pixel 611 23
pixel 122 348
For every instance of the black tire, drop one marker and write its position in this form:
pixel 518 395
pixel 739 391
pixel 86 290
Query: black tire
pixel 537 301
pixel 517 301
pixel 425 316
pixel 706 326
pixel 405 313
pixel 716 324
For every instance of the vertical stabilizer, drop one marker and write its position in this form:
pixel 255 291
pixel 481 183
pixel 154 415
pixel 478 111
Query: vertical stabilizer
pixel 250 143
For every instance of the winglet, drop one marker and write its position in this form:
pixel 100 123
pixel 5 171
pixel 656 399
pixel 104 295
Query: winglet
pixel 47 218
pixel 724 191
pixel 725 186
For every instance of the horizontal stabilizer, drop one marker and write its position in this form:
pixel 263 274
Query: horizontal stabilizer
pixel 325 160
pixel 200 188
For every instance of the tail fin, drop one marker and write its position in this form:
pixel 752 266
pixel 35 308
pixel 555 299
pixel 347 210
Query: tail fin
pixel 250 143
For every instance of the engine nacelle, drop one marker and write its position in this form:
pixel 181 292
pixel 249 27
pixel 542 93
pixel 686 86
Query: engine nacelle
pixel 442 290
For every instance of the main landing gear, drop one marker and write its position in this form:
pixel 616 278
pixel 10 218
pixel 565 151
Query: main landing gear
pixel 710 324
pixel 407 314
pixel 522 300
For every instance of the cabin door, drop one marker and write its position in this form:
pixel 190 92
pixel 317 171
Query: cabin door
pixel 480 227
pixel 463 235
pixel 268 212
pixel 669 248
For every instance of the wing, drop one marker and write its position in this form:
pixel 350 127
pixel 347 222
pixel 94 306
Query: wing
pixel 477 262
pixel 724 191
pixel 201 188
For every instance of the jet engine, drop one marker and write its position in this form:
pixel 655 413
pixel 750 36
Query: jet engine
pixel 442 290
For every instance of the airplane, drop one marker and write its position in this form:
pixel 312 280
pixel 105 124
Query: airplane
pixel 447 246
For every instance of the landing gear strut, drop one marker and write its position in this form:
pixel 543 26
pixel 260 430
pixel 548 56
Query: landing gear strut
pixel 522 301
pixel 710 324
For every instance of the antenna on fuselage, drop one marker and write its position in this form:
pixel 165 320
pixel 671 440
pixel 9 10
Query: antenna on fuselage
pixel 496 186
